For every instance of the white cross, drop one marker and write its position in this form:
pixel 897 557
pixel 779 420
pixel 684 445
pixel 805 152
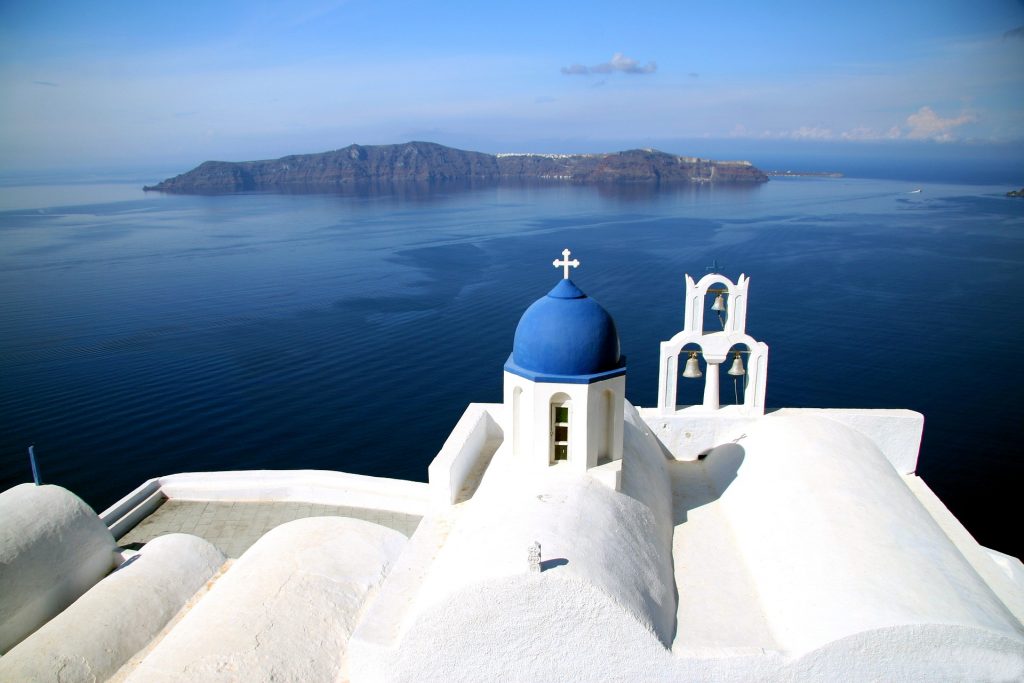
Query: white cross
pixel 566 263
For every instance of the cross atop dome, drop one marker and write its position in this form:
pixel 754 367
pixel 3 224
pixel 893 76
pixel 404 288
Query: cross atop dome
pixel 565 264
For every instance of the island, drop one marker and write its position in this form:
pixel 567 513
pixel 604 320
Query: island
pixel 430 162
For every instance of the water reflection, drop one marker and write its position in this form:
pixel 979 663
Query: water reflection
pixel 432 191
pixel 646 192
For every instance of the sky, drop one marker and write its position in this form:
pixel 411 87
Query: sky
pixel 143 83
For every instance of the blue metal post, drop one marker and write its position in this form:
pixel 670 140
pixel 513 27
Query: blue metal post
pixel 35 469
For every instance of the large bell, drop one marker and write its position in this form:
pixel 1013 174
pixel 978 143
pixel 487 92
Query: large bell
pixel 692 370
pixel 737 369
pixel 719 304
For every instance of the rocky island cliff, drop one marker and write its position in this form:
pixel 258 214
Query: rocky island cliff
pixel 430 162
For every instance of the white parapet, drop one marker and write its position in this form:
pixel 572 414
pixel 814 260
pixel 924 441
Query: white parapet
pixel 689 433
pixel 457 468
pixel 308 486
pixel 896 432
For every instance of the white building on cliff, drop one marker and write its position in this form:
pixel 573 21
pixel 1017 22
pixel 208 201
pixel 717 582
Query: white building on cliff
pixel 565 535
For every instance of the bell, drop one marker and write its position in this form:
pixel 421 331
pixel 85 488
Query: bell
pixel 737 366
pixel 692 370
pixel 719 304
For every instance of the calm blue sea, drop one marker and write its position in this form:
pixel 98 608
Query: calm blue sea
pixel 144 334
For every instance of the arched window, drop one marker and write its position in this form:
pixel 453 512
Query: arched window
pixel 560 416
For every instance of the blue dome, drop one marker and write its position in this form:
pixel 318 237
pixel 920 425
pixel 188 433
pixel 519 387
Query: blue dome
pixel 565 333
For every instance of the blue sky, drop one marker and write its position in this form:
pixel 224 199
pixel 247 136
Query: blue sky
pixel 108 83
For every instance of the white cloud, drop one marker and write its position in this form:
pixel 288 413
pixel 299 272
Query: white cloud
pixel 865 133
pixel 925 124
pixel 575 70
pixel 811 133
pixel 619 62
pixel 859 133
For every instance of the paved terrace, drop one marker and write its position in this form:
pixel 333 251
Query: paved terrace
pixel 234 526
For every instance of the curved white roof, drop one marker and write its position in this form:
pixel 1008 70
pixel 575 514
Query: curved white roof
pixel 835 541
pixel 620 545
pixel 284 610
pixel 53 548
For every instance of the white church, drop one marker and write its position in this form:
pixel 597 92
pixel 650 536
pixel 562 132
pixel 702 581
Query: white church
pixel 564 534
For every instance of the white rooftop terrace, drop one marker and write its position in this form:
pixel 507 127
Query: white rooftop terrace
pixel 233 526
pixel 232 510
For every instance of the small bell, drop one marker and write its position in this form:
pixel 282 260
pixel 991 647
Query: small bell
pixel 737 366
pixel 692 370
pixel 719 304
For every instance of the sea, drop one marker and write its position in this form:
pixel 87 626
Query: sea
pixel 144 334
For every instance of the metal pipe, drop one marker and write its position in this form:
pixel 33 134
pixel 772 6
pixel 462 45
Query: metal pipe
pixel 35 469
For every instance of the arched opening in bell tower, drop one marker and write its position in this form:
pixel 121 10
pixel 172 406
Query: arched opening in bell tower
pixel 689 391
pixel 716 308
pixel 734 376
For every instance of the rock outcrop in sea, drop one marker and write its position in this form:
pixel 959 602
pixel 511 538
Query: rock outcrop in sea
pixel 430 162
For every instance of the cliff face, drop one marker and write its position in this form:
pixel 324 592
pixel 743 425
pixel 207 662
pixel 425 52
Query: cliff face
pixel 636 165
pixel 429 162
pixel 415 161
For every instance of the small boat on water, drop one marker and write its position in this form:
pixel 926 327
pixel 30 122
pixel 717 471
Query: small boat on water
pixel 917 191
